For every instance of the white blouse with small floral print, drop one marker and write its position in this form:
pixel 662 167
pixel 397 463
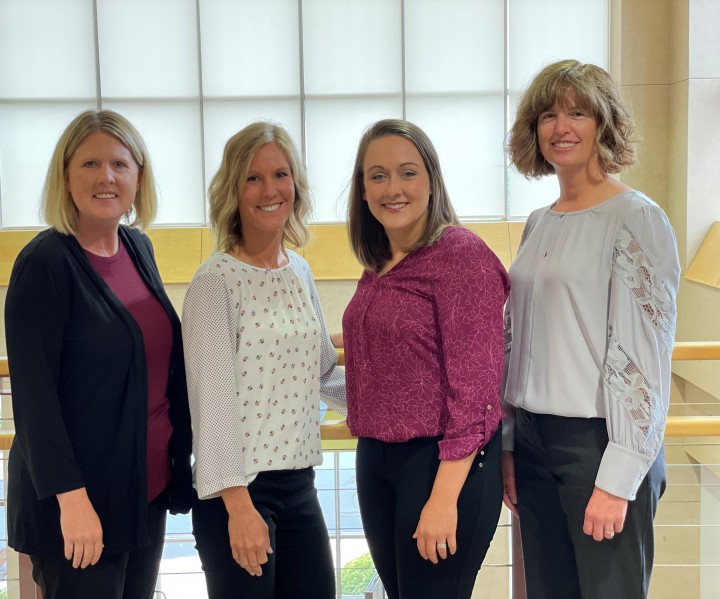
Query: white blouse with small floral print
pixel 258 359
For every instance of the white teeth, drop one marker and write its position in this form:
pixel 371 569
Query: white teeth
pixel 104 196
pixel 271 208
pixel 565 144
pixel 396 206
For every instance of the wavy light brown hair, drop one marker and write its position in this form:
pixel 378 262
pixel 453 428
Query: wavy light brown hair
pixel 367 236
pixel 58 208
pixel 587 86
pixel 227 185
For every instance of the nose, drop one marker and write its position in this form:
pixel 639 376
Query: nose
pixel 106 174
pixel 392 187
pixel 562 122
pixel 269 189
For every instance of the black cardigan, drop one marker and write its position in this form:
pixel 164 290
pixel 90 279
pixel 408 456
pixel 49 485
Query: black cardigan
pixel 79 394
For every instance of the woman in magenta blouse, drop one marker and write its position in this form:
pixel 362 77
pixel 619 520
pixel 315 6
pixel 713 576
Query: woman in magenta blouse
pixel 423 339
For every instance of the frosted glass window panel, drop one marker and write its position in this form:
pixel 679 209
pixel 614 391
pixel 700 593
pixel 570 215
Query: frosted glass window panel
pixel 543 32
pixel 148 49
pixel 525 195
pixel 225 118
pixel 250 47
pixel 47 49
pixel 467 133
pixel 352 46
pixel 334 128
pixel 454 45
pixel 28 135
pixel 172 134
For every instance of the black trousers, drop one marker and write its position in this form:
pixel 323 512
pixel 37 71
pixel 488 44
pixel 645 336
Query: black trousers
pixel 301 565
pixel 394 482
pixel 556 461
pixel 131 575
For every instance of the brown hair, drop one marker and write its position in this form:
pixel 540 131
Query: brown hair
pixel 587 86
pixel 367 236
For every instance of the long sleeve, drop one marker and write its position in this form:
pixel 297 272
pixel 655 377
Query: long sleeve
pixel 209 324
pixel 332 376
pixel 36 318
pixel 641 329
pixel 470 318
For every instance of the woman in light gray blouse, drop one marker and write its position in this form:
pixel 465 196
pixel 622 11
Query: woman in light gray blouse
pixel 589 334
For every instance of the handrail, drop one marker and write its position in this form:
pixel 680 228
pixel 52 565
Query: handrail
pixel 676 426
pixel 682 350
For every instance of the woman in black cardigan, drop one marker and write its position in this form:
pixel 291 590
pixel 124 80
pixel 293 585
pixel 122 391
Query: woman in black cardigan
pixel 103 441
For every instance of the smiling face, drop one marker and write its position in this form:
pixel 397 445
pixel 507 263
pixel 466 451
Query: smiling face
pixel 397 188
pixel 103 179
pixel 566 135
pixel 268 193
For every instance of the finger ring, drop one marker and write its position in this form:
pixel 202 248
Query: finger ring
pixel 442 545
pixel 609 533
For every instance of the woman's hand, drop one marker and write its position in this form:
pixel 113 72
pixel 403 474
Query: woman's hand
pixel 435 532
pixel 249 537
pixel 81 529
pixel 337 339
pixel 436 529
pixel 508 475
pixel 604 515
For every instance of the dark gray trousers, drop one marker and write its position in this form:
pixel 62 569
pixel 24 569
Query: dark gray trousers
pixel 556 461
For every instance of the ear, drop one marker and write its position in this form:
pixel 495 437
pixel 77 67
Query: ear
pixel 364 197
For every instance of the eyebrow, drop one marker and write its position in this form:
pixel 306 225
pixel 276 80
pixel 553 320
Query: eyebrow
pixel 400 165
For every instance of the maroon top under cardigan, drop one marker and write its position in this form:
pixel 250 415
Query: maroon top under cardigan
pixel 121 276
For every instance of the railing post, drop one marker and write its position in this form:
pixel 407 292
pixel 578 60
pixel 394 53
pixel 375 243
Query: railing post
pixel 518 565
pixel 28 588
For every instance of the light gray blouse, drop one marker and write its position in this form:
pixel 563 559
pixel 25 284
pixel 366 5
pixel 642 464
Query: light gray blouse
pixel 590 325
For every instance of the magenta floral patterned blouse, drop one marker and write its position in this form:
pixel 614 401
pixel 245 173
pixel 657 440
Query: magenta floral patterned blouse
pixel 424 346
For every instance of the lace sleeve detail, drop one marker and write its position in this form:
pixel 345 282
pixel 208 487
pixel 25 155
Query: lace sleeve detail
pixel 632 390
pixel 647 288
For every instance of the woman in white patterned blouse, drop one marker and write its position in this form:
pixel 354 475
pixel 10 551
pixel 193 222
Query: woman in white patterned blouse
pixel 590 326
pixel 258 360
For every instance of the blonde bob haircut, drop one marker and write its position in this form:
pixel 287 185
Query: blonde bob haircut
pixel 58 208
pixel 572 83
pixel 367 236
pixel 227 185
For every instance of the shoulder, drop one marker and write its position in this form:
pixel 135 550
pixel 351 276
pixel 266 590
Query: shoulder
pixel 213 274
pixel 49 248
pixel 299 265
pixel 641 215
pixel 460 244
pixel 48 244
pixel 534 218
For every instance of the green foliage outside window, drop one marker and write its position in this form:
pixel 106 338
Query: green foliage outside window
pixel 356 575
